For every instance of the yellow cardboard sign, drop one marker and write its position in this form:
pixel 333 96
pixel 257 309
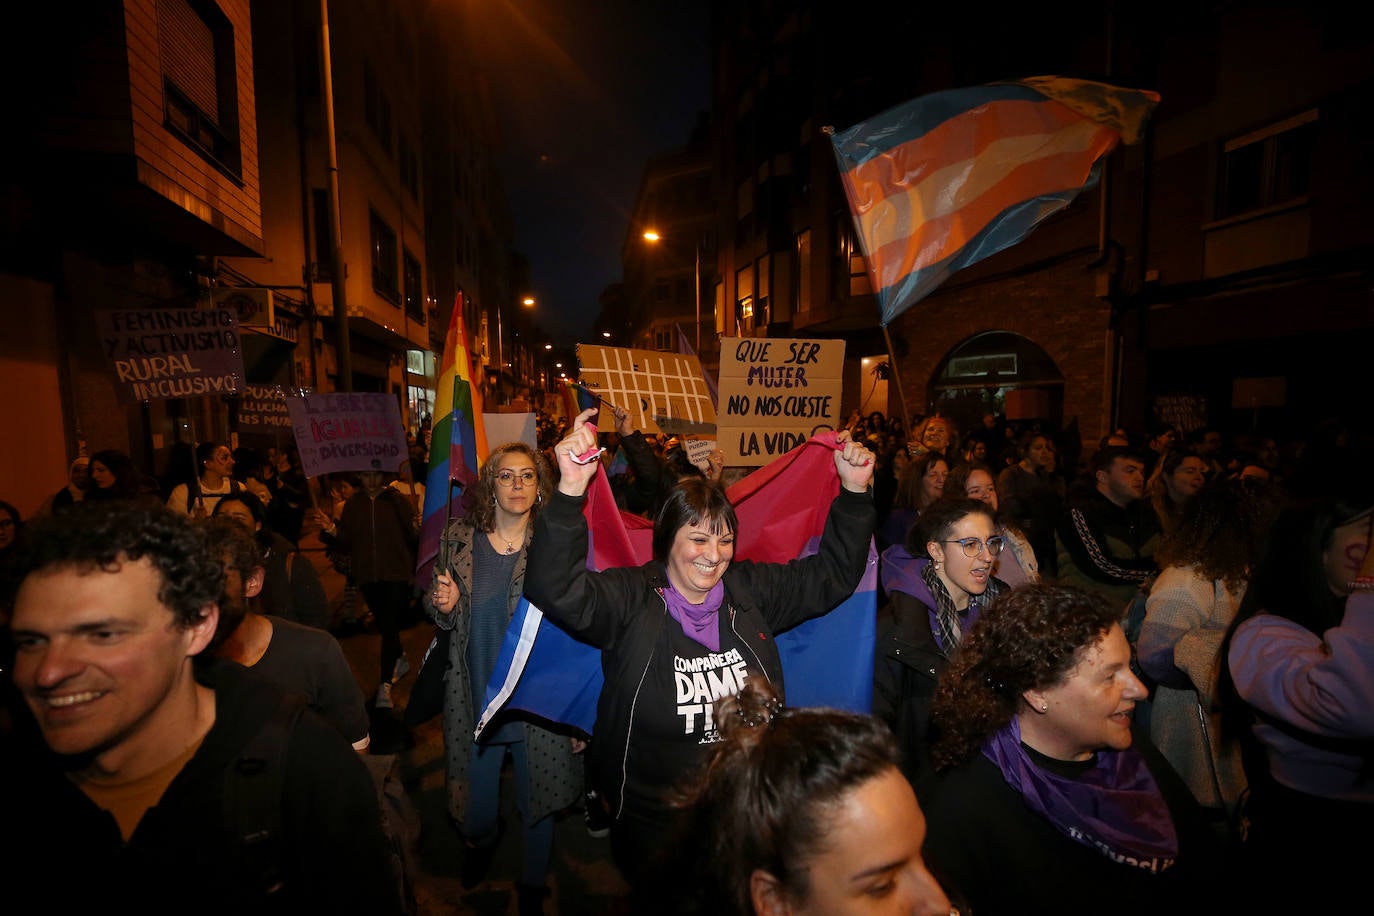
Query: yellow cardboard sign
pixel 775 393
pixel 664 392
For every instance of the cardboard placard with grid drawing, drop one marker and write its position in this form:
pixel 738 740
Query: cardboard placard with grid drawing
pixel 664 392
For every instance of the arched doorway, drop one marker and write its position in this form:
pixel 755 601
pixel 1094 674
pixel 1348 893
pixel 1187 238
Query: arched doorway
pixel 1001 373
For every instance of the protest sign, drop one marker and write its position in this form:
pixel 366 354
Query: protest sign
pixel 664 392
pixel 262 409
pixel 171 353
pixel 775 393
pixel 699 452
pixel 348 431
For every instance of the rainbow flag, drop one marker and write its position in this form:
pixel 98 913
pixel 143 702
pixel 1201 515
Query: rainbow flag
pixel 458 443
pixel 950 178
pixel 782 507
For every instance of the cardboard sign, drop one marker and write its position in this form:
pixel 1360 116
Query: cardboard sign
pixel 171 353
pixel 262 409
pixel 342 431
pixel 775 393
pixel 664 392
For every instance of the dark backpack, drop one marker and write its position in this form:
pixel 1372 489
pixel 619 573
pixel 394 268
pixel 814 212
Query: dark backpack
pixel 253 787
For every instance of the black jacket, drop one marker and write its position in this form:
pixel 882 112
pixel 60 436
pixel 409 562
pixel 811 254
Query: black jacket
pixel 1107 548
pixel 622 611
pixel 185 854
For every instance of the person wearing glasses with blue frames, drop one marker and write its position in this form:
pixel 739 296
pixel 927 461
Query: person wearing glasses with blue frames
pixel 936 584
pixel 478 580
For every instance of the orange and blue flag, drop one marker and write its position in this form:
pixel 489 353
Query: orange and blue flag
pixel 950 178
pixel 458 443
pixel 826 661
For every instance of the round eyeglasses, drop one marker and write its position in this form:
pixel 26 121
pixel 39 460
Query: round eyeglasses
pixel 972 547
pixel 508 478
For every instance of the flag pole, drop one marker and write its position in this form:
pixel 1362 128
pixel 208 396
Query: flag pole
pixel 901 395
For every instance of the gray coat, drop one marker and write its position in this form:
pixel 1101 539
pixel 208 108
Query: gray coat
pixel 555 774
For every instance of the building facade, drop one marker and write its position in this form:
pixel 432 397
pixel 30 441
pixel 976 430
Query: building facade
pixel 1218 274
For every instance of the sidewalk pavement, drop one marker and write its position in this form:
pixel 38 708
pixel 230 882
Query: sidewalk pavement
pixel 583 880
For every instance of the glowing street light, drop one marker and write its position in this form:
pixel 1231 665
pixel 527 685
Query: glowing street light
pixel 651 236
pixel 528 301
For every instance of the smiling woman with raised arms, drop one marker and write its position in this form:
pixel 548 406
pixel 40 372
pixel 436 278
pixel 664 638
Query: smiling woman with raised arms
pixel 693 615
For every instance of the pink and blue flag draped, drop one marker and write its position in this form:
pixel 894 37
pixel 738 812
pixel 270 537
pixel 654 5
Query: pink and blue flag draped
pixel 950 178
pixel 458 443
pixel 827 661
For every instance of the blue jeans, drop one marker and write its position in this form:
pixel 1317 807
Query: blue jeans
pixel 484 803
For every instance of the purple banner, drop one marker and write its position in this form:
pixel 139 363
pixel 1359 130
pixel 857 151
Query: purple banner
pixel 171 353
pixel 348 432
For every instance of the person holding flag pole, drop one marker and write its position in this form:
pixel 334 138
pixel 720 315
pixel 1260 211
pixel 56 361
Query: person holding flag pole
pixel 682 630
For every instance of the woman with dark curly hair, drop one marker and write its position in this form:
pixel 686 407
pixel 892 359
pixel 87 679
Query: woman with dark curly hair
pixel 1206 562
pixel 800 811
pixel 478 579
pixel 1045 803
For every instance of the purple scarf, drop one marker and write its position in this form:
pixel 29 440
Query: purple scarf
pixel 700 622
pixel 1115 807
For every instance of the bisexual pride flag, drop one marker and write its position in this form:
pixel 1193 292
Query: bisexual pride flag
pixel 782 507
pixel 458 443
pixel 950 178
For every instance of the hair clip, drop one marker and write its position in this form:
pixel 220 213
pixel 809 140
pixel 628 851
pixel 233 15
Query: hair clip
pixel 763 714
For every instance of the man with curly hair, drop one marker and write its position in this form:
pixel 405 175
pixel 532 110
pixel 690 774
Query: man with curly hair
pixel 164 776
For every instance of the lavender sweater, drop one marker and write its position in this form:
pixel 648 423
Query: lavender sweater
pixel 1321 684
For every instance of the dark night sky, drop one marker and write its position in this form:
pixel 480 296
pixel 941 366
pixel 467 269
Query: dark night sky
pixel 588 91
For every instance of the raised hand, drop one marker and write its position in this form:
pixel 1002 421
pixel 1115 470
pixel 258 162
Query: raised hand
pixel 575 477
pixel 854 463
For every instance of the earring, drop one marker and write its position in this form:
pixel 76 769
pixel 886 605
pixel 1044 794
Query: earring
pixel 1044 707
pixel 538 498
pixel 937 565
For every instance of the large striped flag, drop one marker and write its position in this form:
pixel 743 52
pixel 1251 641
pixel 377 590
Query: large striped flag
pixel 458 443
pixel 782 507
pixel 947 179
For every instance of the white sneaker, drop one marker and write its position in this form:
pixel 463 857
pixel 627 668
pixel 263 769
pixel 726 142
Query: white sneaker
pixel 401 670
pixel 383 697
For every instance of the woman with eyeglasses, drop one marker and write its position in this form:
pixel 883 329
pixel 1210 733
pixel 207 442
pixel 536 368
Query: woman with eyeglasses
pixel 478 580
pixel 936 584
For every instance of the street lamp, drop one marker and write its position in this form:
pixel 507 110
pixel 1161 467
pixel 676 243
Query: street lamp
pixel 651 237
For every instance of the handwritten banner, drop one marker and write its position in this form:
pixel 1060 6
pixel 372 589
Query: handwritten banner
pixel 664 392
pixel 341 431
pixel 775 393
pixel 262 409
pixel 171 353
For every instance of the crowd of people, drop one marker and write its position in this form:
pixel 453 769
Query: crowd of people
pixel 1148 673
